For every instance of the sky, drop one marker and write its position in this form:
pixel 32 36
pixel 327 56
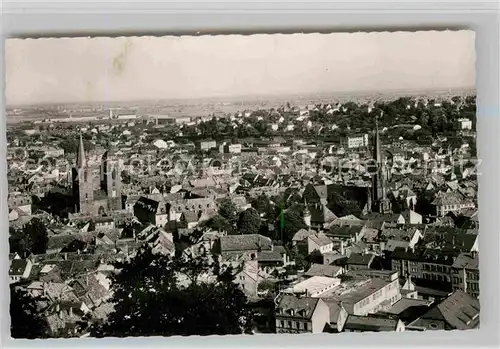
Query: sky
pixel 141 68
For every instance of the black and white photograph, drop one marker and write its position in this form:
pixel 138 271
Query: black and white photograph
pixel 242 184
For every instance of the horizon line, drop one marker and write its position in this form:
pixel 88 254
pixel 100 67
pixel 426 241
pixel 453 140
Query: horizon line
pixel 275 95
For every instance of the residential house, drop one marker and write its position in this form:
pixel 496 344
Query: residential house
pixel 459 311
pixel 408 236
pixel 338 315
pixel 104 223
pixel 20 269
pixel 301 235
pixel 357 141
pixel 206 145
pixel 465 273
pixel 151 211
pixel 63 317
pixel 373 323
pixel 20 201
pixel 358 261
pixel 189 220
pixel 250 244
pixel 248 278
pixel 331 271
pixel 301 315
pixel 451 202
pixel 319 242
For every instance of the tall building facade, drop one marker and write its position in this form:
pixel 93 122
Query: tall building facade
pixel 92 199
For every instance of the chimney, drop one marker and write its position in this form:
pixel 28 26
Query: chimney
pixel 70 311
pixel 58 307
pixel 342 251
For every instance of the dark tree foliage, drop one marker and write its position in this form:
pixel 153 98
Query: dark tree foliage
pixel 26 321
pixel 424 203
pixel 150 301
pixel 300 258
pixel 70 145
pixel 57 203
pixel 218 223
pixel 32 238
pixel 227 209
pixel 293 222
pixel 249 222
pixel 263 205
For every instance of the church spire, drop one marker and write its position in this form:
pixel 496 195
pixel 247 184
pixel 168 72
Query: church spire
pixel 379 200
pixel 377 155
pixel 80 155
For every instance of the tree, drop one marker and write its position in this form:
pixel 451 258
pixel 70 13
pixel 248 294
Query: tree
pixel 150 301
pixel 25 319
pixel 36 236
pixel 301 262
pixel 32 238
pixel 293 222
pixel 249 222
pixel 263 205
pixel 227 209
pixel 218 223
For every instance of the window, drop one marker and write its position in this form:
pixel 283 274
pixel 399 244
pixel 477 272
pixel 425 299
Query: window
pixel 305 325
pixel 282 323
pixel 289 324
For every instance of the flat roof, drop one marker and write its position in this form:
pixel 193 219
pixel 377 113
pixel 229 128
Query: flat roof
pixel 354 291
pixel 314 284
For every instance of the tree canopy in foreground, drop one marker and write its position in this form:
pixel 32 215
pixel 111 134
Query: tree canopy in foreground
pixel 155 295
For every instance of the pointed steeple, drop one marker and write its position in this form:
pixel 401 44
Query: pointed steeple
pixel 377 154
pixel 80 155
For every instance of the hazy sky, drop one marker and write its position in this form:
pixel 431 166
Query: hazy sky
pixel 102 69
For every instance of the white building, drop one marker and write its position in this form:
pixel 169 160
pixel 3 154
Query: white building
pixel 464 124
pixel 359 141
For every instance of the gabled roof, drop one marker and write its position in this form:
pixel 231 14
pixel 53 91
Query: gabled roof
pixel 147 204
pixel 190 216
pixel 360 259
pixel 17 267
pixel 335 309
pixel 321 214
pixel 345 231
pixel 371 323
pixel 295 307
pixel 245 242
pixel 467 261
pixel 460 311
pixel 451 198
pixel 301 235
pixel 320 239
pixel 323 270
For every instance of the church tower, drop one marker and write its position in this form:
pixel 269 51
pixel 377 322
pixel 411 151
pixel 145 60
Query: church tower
pixel 111 180
pixel 380 202
pixel 83 191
